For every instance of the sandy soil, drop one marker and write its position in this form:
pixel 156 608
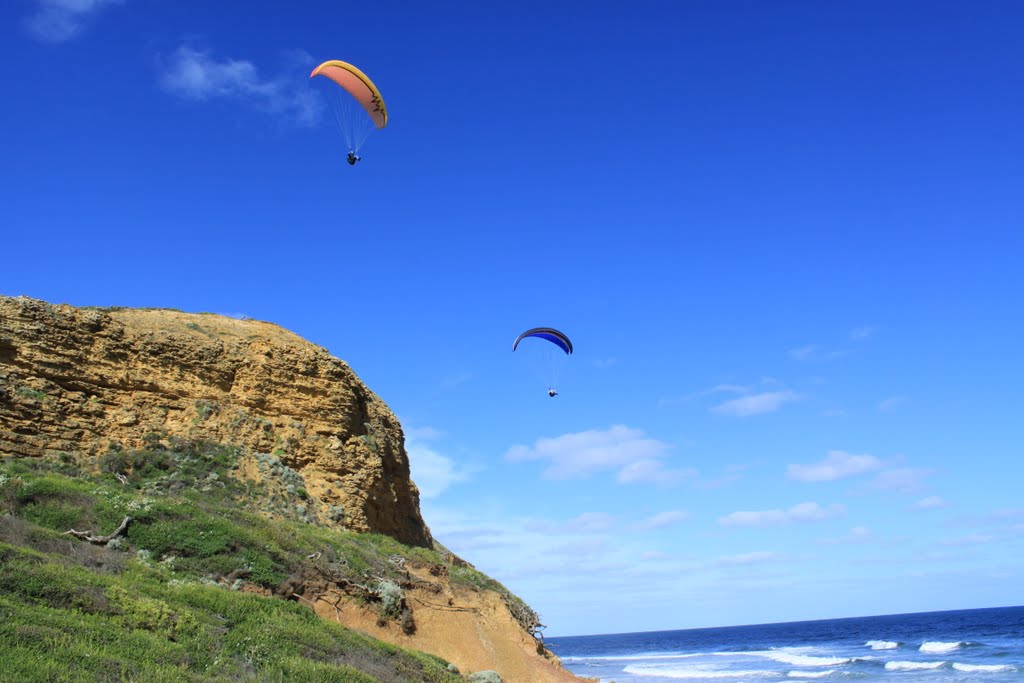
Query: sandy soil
pixel 470 628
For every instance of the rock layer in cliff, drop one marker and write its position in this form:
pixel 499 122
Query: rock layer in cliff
pixel 80 382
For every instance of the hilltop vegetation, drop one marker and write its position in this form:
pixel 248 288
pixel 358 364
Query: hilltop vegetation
pixel 198 584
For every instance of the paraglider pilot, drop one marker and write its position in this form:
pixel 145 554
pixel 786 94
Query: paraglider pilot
pixel 552 393
pixel 352 158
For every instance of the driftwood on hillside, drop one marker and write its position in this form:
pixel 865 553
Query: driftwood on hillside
pixel 100 540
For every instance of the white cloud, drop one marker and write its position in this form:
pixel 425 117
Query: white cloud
pixel 432 472
pixel 422 433
pixel 836 465
pixel 55 21
pixel 195 75
pixel 840 464
pixel 652 471
pixel 802 512
pixel 931 503
pixel 756 404
pixel 629 452
pixel 664 519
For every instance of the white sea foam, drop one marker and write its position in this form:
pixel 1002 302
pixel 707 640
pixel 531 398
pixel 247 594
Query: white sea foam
pixel 811 674
pixel 940 648
pixel 912 666
pixel 983 668
pixel 882 644
pixel 701 673
pixel 794 659
pixel 632 658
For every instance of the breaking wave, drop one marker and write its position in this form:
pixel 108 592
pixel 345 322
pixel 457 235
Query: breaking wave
pixel 794 659
pixel 811 674
pixel 913 666
pixel 699 673
pixel 940 648
pixel 984 668
pixel 632 658
pixel 882 644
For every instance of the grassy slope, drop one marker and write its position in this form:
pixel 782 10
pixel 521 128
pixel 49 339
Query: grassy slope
pixel 157 603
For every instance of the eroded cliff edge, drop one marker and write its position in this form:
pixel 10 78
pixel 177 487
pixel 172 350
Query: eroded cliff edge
pixel 84 381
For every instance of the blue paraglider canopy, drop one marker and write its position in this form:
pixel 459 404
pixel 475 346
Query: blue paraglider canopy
pixel 550 334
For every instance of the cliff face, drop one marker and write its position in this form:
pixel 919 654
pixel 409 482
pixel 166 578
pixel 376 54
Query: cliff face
pixel 82 383
pixel 85 381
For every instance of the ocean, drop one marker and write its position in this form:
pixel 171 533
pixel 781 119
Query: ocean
pixel 984 645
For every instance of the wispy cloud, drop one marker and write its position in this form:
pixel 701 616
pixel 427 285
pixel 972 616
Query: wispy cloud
pixel 818 353
pixel 743 559
pixel 756 404
pixel 587 522
pixel 862 332
pixel 893 403
pixel 858 534
pixel 804 352
pixel 813 352
pixel 455 379
pixel 726 389
pixel 633 455
pixel 802 512
pixel 426 433
pixel 663 520
pixel 931 503
pixel 732 473
pixel 55 21
pixel 836 465
pixel 196 75
pixel 971 539
pixel 887 477
pixel 703 393
pixel 901 479
pixel 432 472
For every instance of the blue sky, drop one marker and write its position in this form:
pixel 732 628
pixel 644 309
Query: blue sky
pixel 785 238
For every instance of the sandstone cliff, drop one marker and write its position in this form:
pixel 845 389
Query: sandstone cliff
pixel 84 381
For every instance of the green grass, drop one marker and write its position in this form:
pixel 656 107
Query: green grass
pixel 34 394
pixel 156 604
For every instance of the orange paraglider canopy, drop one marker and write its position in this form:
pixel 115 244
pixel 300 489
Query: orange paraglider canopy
pixel 358 85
